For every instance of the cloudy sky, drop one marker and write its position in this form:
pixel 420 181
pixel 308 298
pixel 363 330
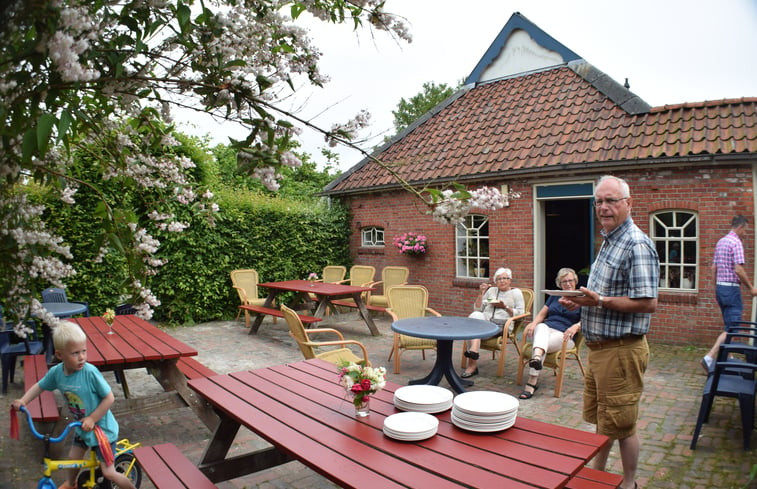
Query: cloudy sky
pixel 672 51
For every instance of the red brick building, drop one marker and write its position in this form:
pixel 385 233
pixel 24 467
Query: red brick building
pixel 535 118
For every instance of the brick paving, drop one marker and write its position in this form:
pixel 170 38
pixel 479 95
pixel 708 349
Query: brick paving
pixel 668 412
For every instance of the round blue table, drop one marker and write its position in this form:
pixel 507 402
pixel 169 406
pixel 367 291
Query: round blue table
pixel 445 329
pixel 59 310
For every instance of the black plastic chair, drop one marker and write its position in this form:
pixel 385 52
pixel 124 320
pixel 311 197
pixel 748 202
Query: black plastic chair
pixel 12 346
pixel 728 379
pixel 56 294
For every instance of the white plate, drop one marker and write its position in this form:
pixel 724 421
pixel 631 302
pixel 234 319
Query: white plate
pixel 483 428
pixel 410 423
pixel 413 437
pixel 423 394
pixel 486 403
pixel 564 293
pixel 421 408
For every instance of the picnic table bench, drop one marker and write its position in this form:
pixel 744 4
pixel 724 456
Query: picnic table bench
pixel 192 369
pixel 260 310
pixel 167 467
pixel 345 303
pixel 43 408
pixel 588 478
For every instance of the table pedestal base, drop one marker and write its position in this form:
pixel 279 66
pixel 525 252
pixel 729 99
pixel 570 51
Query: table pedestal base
pixel 444 368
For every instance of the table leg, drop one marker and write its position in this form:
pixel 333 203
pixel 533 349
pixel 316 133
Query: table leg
pixel 259 317
pixel 171 378
pixel 365 314
pixel 217 467
pixel 443 367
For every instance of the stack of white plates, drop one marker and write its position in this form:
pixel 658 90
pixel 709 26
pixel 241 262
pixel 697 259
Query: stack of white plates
pixel 423 398
pixel 410 426
pixel 484 411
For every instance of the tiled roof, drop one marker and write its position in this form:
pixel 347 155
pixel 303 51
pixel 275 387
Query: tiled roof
pixel 553 119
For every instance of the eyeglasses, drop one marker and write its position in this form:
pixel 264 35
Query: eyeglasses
pixel 609 202
pixel 567 281
pixel 502 279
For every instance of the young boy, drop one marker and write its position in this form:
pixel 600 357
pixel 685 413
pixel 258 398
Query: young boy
pixel 87 395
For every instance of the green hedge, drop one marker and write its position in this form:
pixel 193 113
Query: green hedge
pixel 282 239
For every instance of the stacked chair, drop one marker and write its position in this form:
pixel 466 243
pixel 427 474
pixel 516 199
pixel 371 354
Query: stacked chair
pixel 735 376
pixel 12 346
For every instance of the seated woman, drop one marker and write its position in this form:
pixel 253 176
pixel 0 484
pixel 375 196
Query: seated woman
pixel 496 304
pixel 550 326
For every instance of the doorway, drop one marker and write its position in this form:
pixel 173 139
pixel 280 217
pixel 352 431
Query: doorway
pixel 567 238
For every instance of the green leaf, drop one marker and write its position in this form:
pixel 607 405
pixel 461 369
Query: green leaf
pixel 29 146
pixel 183 14
pixel 65 122
pixel 44 130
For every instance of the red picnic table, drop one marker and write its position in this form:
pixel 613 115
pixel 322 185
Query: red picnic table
pixel 135 343
pixel 325 292
pixel 302 411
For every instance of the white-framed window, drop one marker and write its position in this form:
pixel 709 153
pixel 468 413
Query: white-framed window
pixel 676 237
pixel 472 246
pixel 372 236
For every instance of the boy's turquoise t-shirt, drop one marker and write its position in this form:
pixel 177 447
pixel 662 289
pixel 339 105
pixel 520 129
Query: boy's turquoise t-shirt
pixel 83 391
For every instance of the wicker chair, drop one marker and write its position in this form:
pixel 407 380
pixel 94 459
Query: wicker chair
pixel 308 346
pixel 513 327
pixel 391 276
pixel 409 301
pixel 554 360
pixel 245 282
pixel 360 276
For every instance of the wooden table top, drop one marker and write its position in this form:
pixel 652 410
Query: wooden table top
pixel 133 342
pixel 319 288
pixel 302 410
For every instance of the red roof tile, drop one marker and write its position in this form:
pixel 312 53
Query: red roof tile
pixel 548 120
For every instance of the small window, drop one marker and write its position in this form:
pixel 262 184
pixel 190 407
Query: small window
pixel 676 237
pixel 372 236
pixel 472 247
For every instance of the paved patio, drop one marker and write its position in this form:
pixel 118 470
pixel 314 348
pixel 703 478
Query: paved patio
pixel 668 413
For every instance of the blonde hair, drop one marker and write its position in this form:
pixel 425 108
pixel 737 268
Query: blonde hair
pixel 67 332
pixel 563 272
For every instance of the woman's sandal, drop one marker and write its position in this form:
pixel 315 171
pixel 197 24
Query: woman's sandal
pixel 465 375
pixel 528 395
pixel 535 363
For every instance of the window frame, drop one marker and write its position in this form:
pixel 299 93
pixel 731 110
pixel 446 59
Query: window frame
pixel 472 238
pixel 374 241
pixel 676 223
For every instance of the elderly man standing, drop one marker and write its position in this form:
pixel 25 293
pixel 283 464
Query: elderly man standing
pixel 617 305
pixel 729 274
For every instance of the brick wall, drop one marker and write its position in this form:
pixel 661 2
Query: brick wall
pixel 715 194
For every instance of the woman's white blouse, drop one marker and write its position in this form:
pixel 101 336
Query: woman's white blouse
pixel 511 298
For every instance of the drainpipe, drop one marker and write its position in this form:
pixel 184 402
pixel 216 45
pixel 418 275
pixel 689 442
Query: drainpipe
pixel 754 236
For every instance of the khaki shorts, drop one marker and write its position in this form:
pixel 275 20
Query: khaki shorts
pixel 613 385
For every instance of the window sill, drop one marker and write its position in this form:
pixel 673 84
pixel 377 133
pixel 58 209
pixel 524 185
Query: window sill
pixel 468 282
pixel 682 297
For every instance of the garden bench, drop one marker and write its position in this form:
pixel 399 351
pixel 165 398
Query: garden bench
pixel 276 313
pixel 588 478
pixel 167 467
pixel 43 408
pixel 193 369
pixel 354 306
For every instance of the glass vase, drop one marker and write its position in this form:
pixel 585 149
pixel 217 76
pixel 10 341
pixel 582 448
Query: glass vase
pixel 362 408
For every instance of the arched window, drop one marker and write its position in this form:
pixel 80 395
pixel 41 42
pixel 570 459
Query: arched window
pixel 676 237
pixel 372 236
pixel 472 246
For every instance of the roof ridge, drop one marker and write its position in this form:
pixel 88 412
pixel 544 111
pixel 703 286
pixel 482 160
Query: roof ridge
pixel 705 103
